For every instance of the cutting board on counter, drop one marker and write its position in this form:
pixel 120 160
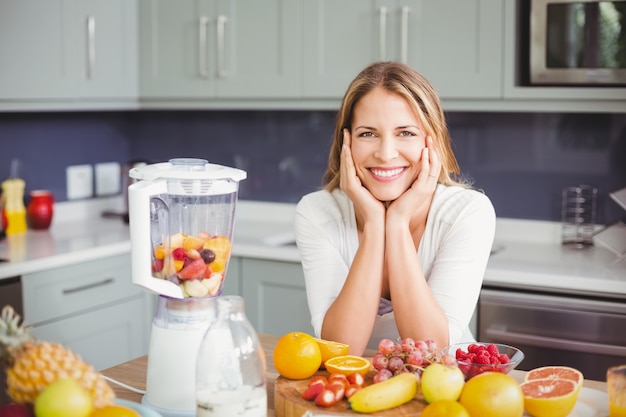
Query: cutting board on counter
pixel 288 401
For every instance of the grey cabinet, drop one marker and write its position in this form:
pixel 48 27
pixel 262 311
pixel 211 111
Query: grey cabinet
pixel 274 294
pixel 456 45
pixel 91 307
pixel 68 50
pixel 219 49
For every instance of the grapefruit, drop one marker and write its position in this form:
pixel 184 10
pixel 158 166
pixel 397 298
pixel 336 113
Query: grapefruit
pixel 561 372
pixel 444 408
pixel 492 394
pixel 549 397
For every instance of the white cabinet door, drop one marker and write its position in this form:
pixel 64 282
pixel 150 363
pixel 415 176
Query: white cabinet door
pixel 105 336
pixel 35 62
pixel 219 48
pixel 232 280
pixel 68 49
pixel 456 45
pixel 275 296
pixel 106 44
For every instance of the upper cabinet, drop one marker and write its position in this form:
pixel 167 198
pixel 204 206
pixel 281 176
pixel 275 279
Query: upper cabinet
pixel 456 45
pixel 68 50
pixel 220 49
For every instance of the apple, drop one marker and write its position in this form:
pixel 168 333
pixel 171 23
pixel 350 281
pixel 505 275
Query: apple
pixel 442 382
pixel 63 398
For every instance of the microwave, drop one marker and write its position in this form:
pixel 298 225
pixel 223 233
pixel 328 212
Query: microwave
pixel 577 42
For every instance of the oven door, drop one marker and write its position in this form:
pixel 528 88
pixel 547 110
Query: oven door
pixel 585 333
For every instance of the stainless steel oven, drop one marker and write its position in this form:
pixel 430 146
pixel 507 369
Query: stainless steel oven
pixel 588 333
pixel 10 293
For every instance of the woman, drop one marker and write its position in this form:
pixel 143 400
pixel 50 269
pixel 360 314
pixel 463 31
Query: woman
pixel 393 246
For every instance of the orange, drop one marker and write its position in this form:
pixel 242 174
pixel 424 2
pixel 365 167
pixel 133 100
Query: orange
pixel 115 410
pixel 563 372
pixel 445 408
pixel 493 394
pixel 330 349
pixel 347 364
pixel 549 397
pixel 297 355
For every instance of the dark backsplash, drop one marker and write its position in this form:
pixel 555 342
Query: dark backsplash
pixel 521 160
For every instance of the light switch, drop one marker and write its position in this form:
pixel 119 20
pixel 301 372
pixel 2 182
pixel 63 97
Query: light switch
pixel 108 178
pixel 79 181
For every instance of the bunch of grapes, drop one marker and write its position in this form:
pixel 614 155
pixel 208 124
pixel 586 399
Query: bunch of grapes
pixel 406 355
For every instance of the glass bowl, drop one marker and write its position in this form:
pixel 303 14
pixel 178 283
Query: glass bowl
pixel 470 368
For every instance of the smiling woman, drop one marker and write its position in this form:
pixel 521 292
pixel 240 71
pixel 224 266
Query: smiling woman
pixel 395 245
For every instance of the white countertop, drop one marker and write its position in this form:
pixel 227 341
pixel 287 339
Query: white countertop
pixel 527 254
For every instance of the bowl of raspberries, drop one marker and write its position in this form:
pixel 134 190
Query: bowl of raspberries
pixel 476 358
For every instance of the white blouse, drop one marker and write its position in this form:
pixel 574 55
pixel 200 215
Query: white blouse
pixel 453 252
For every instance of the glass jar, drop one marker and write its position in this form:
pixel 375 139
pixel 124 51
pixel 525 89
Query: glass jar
pixel 40 209
pixel 231 369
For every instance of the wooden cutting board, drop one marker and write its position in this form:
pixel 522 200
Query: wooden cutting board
pixel 288 401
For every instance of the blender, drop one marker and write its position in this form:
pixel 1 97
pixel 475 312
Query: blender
pixel 182 215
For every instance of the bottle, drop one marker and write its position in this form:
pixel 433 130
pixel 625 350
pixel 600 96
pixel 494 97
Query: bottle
pixel 13 190
pixel 40 209
pixel 230 367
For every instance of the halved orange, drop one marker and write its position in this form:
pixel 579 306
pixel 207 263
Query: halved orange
pixel 549 397
pixel 331 349
pixel 347 364
pixel 553 372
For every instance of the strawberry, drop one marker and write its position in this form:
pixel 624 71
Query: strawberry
pixel 338 387
pixel 356 379
pixel 312 392
pixel 179 254
pixel 318 379
pixel 326 398
pixel 351 390
pixel 195 269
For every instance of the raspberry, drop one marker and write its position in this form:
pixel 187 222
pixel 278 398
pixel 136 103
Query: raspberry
pixel 482 360
pixel 493 350
pixel 503 357
pixel 473 348
pixel 179 254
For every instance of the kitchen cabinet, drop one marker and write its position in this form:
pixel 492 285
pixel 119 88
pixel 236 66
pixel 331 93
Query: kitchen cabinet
pixel 93 308
pixel 219 49
pixel 456 45
pixel 275 296
pixel 68 50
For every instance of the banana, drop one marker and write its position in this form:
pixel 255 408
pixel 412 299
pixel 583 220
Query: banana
pixel 395 391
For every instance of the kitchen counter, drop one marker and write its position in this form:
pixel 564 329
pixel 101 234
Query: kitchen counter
pixel 527 254
pixel 133 374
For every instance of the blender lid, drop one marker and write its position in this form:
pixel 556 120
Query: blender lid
pixel 185 169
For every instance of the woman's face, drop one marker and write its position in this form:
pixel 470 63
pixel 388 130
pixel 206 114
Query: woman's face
pixel 387 143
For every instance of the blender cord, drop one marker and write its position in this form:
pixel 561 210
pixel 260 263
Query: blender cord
pixel 121 384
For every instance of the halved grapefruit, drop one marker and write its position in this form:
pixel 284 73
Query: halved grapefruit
pixel 556 372
pixel 549 397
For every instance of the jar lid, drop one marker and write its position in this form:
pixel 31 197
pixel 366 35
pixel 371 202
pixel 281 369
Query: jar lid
pixel 187 168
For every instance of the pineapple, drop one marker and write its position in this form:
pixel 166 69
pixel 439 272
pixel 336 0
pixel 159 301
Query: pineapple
pixel 31 364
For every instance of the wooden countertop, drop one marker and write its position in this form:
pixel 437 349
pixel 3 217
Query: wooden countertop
pixel 133 373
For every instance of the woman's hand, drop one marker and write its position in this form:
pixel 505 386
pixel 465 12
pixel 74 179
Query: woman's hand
pixel 418 197
pixel 365 204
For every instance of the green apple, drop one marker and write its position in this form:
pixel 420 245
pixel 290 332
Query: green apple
pixel 63 398
pixel 442 382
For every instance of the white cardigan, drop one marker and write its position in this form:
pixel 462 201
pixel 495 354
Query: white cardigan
pixel 453 254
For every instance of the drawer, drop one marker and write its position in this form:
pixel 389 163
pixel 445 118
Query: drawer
pixel 60 292
pixel 104 337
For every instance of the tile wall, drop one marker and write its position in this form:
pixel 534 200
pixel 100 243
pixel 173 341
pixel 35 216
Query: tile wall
pixel 521 160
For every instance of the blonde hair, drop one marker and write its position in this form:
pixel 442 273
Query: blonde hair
pixel 400 79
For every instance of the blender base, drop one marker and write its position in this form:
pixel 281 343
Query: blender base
pixel 167 412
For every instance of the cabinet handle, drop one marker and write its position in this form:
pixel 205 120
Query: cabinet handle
pixel 91 46
pixel 221 24
pixel 202 43
pixel 404 35
pixel 102 283
pixel 553 343
pixel 382 34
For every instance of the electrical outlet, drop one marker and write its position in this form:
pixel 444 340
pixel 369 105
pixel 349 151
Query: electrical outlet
pixel 79 181
pixel 108 178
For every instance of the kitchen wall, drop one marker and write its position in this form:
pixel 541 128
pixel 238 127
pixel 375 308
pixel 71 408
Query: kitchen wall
pixel 521 160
